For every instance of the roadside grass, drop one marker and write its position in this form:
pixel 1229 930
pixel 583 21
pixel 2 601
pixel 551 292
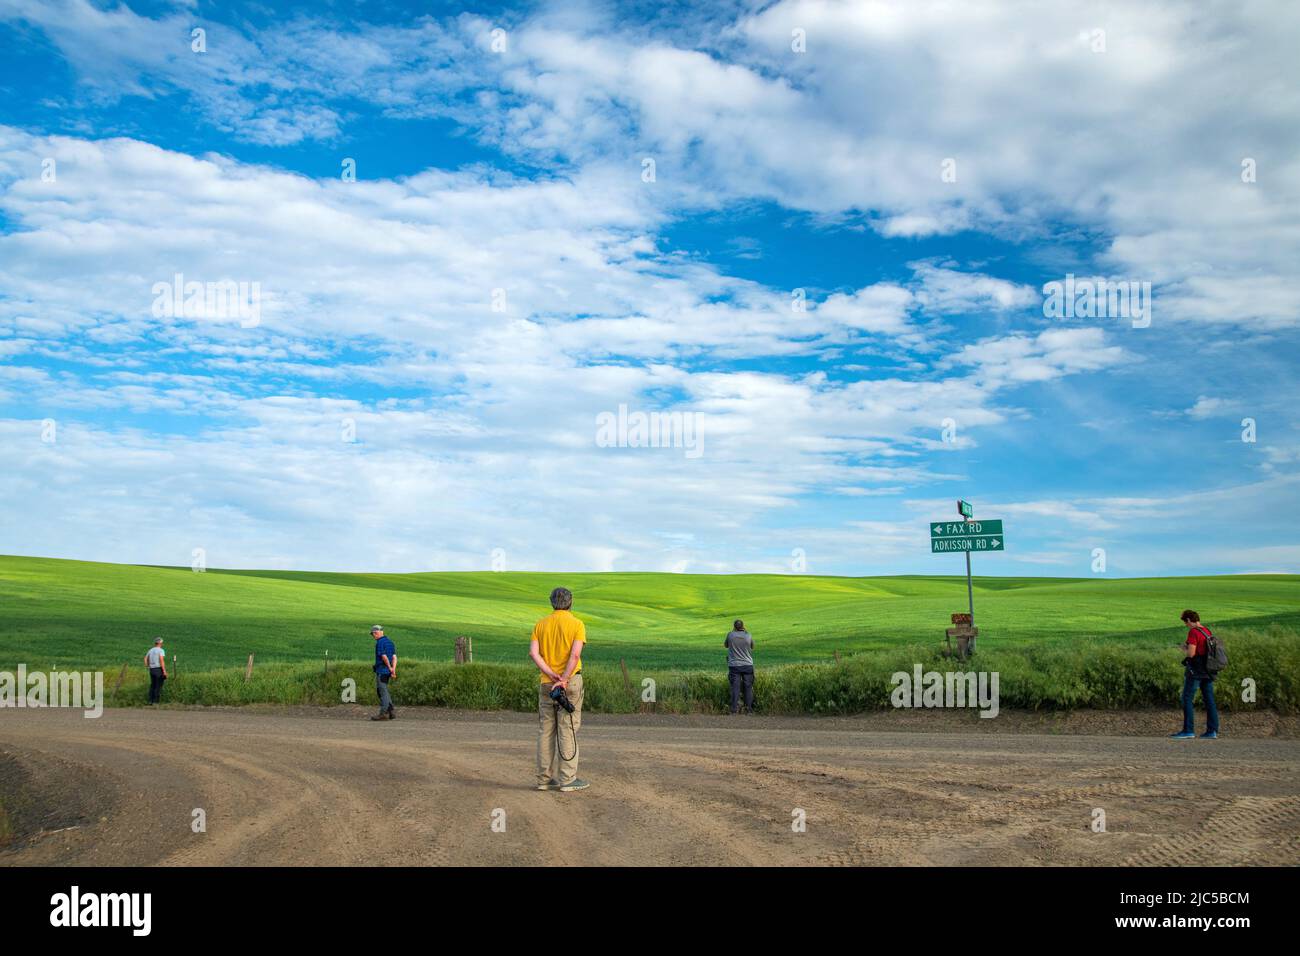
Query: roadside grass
pixel 824 645
pixel 1080 675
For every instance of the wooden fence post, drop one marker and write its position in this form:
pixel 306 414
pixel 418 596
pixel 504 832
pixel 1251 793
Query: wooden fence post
pixel 248 671
pixel 120 677
pixel 627 681
pixel 464 650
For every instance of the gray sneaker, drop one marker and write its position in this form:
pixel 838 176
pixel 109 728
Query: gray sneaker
pixel 549 785
pixel 577 784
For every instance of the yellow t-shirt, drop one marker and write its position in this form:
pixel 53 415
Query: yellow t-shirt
pixel 555 635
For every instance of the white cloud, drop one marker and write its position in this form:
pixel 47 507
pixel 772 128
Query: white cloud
pixel 881 308
pixel 482 436
pixel 403 272
pixel 1042 357
pixel 948 291
pixel 1207 407
pixel 1136 143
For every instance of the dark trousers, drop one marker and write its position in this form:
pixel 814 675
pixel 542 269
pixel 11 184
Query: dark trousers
pixel 742 678
pixel 156 679
pixel 1190 682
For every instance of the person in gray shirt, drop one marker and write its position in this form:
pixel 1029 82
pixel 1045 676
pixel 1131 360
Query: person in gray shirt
pixel 740 666
pixel 156 660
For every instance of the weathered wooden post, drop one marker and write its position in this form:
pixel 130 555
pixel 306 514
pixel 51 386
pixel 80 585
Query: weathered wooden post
pixel 464 650
pixel 120 677
pixel 248 671
pixel 965 632
pixel 627 681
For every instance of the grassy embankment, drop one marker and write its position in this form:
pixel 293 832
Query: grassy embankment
pixel 1056 643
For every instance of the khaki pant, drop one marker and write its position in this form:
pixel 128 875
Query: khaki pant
pixel 556 736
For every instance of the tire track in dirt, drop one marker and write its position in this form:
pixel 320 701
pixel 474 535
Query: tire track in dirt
pixel 311 789
pixel 1260 831
pixel 1019 809
pixel 825 794
pixel 249 807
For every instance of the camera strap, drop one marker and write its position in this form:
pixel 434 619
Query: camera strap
pixel 560 714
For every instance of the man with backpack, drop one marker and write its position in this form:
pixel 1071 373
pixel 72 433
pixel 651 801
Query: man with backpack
pixel 1203 658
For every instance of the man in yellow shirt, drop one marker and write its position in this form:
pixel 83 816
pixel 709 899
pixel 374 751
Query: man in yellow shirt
pixel 556 649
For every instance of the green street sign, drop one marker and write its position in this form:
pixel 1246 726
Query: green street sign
pixel 966 536
pixel 938 545
pixel 965 529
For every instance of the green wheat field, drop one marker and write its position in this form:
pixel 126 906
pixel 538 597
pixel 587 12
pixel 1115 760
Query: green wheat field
pixel 1059 642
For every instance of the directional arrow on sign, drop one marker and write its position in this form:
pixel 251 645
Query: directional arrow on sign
pixel 965 529
pixel 984 535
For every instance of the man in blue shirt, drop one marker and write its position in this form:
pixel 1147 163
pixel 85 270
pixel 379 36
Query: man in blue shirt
pixel 385 670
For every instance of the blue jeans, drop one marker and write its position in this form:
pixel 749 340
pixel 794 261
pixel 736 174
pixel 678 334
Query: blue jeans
pixel 381 688
pixel 1190 681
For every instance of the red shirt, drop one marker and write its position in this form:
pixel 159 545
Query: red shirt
pixel 1196 637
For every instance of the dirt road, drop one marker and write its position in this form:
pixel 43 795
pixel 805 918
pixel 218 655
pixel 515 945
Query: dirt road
pixel 329 787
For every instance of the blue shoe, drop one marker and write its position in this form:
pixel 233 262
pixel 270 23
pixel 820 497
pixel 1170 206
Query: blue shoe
pixel 1210 735
pixel 1183 735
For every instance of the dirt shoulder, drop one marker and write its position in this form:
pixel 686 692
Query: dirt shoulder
pixel 314 786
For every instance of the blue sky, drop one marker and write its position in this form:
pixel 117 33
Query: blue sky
pixel 836 271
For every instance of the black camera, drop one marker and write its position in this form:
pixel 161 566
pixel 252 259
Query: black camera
pixel 561 698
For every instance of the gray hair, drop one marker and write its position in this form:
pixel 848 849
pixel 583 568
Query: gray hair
pixel 561 599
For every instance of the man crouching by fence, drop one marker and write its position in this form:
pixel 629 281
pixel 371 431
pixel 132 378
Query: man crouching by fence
pixel 556 649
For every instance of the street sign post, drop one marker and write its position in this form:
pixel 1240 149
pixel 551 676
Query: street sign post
pixel 967 535
pixel 970 535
